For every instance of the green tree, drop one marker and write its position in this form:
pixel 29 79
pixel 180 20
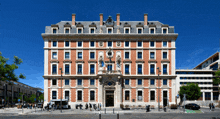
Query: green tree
pixel 191 90
pixel 41 97
pixel 7 73
pixel 31 99
pixel 216 79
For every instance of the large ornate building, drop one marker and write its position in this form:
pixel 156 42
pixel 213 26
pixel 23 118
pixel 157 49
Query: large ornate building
pixel 110 62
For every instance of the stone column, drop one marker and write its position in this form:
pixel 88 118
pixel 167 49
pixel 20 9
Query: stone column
pixel 211 96
pixel 118 94
pixel 100 92
pixel 203 96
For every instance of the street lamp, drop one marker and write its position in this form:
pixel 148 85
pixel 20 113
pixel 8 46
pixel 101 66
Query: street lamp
pixel 61 90
pixel 158 89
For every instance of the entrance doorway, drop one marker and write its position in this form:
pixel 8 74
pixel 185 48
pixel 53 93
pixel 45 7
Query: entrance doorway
pixel 165 98
pixel 109 98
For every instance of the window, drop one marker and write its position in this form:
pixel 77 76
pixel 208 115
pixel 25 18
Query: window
pixel 92 55
pixel 127 95
pixel 54 43
pixel 139 69
pixel 164 55
pixel 164 81
pixel 139 55
pixel 67 70
pixel 151 55
pixel 139 95
pixel 79 55
pixel 79 97
pixel 67 55
pixel 54 69
pixel 54 55
pixel 109 30
pixel 126 30
pixel 164 43
pixel 152 31
pixel 67 43
pixel 152 81
pixel 152 69
pixel 139 31
pixel 92 44
pixel 151 43
pixel 79 43
pixel 126 69
pixel 92 95
pixel 152 95
pixel 126 55
pixel 164 31
pixel 67 81
pixel 109 67
pixel 54 30
pixel 67 31
pixel 164 69
pixel 79 82
pixel 92 69
pixel 92 81
pixel 139 43
pixel 109 43
pixel 79 30
pixel 139 81
pixel 126 81
pixel 79 69
pixel 92 30
pixel 54 82
pixel 54 94
pixel 67 95
pixel 126 43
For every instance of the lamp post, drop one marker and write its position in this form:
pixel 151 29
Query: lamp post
pixel 61 90
pixel 158 89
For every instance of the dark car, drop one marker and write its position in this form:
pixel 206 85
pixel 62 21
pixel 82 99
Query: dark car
pixel 192 106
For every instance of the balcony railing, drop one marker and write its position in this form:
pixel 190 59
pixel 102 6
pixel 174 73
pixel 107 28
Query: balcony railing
pixel 109 72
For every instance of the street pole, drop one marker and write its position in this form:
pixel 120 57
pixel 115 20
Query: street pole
pixel 184 98
pixel 158 89
pixel 61 91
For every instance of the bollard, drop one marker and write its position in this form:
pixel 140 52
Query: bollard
pixel 113 110
pixel 117 115
pixel 105 110
pixel 99 115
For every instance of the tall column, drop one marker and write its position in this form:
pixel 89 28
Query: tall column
pixel 211 96
pixel 203 96
pixel 100 92
pixel 118 94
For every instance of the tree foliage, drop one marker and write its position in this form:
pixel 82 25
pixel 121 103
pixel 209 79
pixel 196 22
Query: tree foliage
pixel 31 99
pixel 41 97
pixel 216 79
pixel 7 73
pixel 191 90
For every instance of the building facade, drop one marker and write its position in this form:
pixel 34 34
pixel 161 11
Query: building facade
pixel 110 62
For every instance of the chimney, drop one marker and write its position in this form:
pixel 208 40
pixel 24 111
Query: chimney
pixel 145 19
pixel 101 19
pixel 118 19
pixel 73 19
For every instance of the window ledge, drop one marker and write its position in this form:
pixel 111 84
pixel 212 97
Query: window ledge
pixel 165 61
pixel 79 61
pixel 92 61
pixel 54 61
pixel 109 62
pixel 67 61
pixel 139 61
pixel 152 61
pixel 127 61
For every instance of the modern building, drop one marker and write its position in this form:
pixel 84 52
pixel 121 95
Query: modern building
pixel 11 91
pixel 110 62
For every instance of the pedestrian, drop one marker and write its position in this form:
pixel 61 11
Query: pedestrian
pixel 100 106
pixel 213 106
pixel 90 106
pixel 41 106
pixel 86 106
pixel 210 106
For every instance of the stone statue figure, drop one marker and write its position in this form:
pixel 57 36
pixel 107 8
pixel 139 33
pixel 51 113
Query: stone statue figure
pixel 118 31
pixel 101 31
pixel 100 61
pixel 118 60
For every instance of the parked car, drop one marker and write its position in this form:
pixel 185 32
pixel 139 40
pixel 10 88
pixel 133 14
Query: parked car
pixel 39 105
pixel 192 106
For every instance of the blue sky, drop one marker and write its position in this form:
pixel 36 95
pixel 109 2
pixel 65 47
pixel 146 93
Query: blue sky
pixel 22 22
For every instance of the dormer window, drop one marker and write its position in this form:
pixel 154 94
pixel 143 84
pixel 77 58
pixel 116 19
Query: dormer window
pixel 139 31
pixel 164 30
pixel 127 30
pixel 92 30
pixel 79 30
pixel 109 30
pixel 67 30
pixel 54 30
pixel 152 31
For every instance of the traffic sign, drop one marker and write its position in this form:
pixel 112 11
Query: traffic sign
pixel 34 99
pixel 18 100
pixel 177 96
